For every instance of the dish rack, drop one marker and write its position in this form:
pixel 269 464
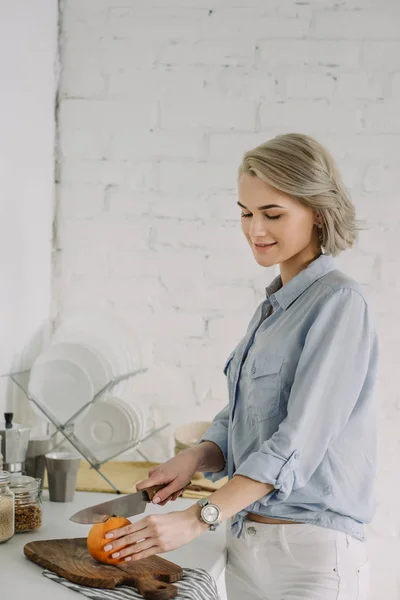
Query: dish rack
pixel 66 429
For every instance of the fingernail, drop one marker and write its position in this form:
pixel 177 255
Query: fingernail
pixel 108 547
pixel 108 536
pixel 128 558
pixel 115 555
pixel 156 500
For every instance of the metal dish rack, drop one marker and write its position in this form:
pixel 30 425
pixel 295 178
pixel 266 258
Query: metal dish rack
pixel 66 429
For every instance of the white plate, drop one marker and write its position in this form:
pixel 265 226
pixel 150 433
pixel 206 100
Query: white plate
pixel 106 429
pixel 62 386
pixel 89 358
pixel 133 417
pixel 111 337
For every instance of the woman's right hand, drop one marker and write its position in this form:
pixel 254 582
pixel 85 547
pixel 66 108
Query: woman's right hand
pixel 175 474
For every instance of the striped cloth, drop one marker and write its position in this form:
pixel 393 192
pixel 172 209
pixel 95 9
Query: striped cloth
pixel 196 584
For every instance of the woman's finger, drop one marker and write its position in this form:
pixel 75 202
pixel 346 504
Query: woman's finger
pixel 134 548
pixel 157 478
pixel 167 491
pixel 164 502
pixel 134 528
pixel 145 554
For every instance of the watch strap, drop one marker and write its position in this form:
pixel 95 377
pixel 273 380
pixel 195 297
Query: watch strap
pixel 203 502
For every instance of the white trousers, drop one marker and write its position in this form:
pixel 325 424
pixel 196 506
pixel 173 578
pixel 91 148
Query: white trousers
pixel 295 562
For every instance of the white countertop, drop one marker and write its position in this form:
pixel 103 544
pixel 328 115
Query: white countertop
pixel 19 576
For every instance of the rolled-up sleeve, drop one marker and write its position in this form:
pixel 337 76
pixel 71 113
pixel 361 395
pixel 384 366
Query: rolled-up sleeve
pixel 330 375
pixel 218 434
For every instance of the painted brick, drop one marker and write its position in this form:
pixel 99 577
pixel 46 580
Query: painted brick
pixel 382 117
pixel 80 201
pixel 198 177
pixel 360 84
pixel 358 24
pixel 381 55
pixel 208 111
pixel 314 116
pixel 308 52
pixel 153 145
pixel 209 52
pixel 309 85
pixel 382 178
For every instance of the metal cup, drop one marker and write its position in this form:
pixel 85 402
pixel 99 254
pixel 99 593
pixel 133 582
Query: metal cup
pixel 62 472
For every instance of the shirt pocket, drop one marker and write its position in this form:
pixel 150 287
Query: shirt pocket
pixel 265 386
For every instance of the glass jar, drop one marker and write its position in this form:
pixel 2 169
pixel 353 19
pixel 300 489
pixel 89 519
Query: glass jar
pixel 28 503
pixel 6 508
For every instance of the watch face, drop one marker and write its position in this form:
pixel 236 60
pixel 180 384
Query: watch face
pixel 210 513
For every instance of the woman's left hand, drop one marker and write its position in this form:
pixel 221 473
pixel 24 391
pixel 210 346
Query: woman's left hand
pixel 155 534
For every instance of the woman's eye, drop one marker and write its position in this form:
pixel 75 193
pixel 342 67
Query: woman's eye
pixel 247 215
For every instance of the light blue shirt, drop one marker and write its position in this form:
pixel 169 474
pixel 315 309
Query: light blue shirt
pixel 301 412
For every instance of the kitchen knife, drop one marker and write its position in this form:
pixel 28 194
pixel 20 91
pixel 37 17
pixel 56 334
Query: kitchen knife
pixel 126 506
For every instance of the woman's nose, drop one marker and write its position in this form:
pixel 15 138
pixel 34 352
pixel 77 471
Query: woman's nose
pixel 258 227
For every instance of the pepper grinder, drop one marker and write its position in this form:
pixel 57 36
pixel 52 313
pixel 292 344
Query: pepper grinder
pixel 14 444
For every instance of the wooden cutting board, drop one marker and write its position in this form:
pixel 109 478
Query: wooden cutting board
pixel 69 558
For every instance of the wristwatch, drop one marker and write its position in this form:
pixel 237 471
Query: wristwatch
pixel 210 513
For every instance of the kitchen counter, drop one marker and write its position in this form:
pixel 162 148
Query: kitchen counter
pixel 19 576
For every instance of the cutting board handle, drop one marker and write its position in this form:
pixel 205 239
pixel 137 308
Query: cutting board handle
pixel 153 589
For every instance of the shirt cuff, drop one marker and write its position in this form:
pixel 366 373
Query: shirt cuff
pixel 218 436
pixel 273 469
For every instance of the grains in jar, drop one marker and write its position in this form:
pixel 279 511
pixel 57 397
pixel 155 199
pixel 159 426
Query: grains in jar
pixel 28 505
pixel 6 508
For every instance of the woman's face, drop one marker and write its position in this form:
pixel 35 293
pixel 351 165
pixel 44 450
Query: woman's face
pixel 277 227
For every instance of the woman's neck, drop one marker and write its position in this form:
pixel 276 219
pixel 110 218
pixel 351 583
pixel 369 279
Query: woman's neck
pixel 292 267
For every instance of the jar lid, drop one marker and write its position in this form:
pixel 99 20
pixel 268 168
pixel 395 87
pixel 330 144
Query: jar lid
pixel 5 477
pixel 23 484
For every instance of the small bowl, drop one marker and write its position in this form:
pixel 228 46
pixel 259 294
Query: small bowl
pixel 188 435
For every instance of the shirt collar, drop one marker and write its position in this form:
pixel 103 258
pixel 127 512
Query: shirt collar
pixel 288 293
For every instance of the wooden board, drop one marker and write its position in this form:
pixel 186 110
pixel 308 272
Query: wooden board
pixel 69 558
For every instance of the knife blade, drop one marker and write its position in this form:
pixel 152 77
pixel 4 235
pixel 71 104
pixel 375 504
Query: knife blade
pixel 127 506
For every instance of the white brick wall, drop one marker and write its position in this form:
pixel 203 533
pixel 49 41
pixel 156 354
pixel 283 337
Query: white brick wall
pixel 158 102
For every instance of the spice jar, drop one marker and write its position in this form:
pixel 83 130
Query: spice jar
pixel 28 504
pixel 6 508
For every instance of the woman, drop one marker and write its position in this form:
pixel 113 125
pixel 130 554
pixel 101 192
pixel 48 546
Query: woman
pixel 297 438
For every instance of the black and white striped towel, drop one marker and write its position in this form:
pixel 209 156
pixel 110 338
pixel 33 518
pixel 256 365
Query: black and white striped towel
pixel 196 584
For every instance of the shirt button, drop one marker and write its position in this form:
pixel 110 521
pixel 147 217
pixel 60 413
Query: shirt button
pixel 252 531
pixel 253 370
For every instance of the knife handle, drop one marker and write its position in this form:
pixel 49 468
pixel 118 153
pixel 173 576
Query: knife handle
pixel 152 491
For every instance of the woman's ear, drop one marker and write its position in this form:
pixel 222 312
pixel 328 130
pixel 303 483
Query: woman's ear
pixel 318 220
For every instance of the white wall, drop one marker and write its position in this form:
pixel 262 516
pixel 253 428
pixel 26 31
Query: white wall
pixel 158 102
pixel 28 44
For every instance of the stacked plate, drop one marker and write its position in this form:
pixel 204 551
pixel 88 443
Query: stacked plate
pixel 86 352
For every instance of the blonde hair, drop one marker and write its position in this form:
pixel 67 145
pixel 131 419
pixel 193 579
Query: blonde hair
pixel 299 166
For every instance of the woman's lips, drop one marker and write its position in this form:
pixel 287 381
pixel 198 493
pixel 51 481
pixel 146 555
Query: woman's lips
pixel 264 247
